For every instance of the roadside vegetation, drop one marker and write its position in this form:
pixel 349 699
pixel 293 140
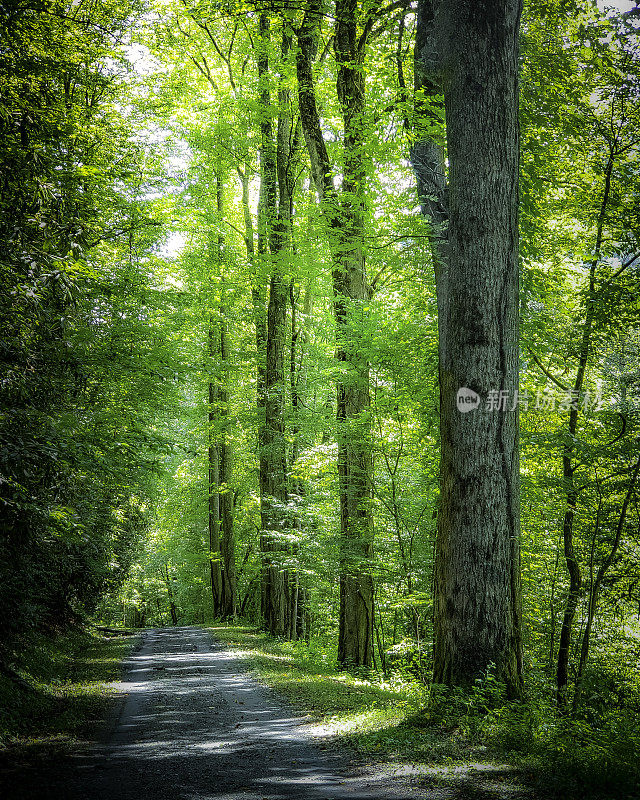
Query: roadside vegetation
pixel 235 322
pixel 457 736
pixel 60 696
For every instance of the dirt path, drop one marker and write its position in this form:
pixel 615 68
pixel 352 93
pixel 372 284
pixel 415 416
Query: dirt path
pixel 195 726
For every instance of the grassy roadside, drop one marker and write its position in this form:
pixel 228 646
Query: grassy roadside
pixel 69 696
pixel 474 740
pixel 380 718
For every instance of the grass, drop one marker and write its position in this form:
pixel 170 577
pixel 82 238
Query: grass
pixel 70 696
pixel 473 740
pixel 377 716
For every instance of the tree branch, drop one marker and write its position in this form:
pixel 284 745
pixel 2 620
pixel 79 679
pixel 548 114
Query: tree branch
pixel 546 371
pixel 130 229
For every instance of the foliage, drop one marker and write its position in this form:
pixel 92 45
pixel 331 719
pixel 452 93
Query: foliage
pixel 105 363
pixel 81 356
pixel 67 697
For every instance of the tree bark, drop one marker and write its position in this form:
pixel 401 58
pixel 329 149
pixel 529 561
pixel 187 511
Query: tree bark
pixel 213 456
pixel 221 532
pixel 227 539
pixel 351 294
pixel 297 372
pixel 215 561
pixel 469 51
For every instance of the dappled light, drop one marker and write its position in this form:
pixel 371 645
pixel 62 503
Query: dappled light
pixel 197 722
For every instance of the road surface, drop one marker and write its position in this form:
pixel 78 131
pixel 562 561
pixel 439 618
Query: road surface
pixel 195 726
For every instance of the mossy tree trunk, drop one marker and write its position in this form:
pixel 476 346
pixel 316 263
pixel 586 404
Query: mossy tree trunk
pixel 468 53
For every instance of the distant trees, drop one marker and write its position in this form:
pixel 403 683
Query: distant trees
pixel 318 243
pixel 345 216
pixel 264 424
pixel 593 370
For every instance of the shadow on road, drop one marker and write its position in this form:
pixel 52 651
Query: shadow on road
pixel 193 725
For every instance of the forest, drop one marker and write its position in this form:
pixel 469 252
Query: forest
pixel 319 320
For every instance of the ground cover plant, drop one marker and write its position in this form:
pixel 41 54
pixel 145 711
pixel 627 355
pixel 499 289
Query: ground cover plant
pixel 453 735
pixel 60 697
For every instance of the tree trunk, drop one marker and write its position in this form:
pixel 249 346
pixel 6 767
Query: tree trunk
pixel 172 604
pixel 214 479
pixel 469 52
pixel 296 376
pixel 258 296
pixel 277 186
pixel 345 217
pixel 351 295
pixel 227 538
pixel 221 533
pixel 274 519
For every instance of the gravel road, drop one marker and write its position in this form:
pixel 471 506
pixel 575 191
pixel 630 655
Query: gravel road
pixel 194 726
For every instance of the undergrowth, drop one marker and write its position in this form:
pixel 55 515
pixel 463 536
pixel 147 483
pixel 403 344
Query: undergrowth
pixel 68 694
pixel 453 733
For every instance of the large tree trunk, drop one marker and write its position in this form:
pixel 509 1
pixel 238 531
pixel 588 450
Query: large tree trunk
pixel 345 218
pixel 280 589
pixel 469 50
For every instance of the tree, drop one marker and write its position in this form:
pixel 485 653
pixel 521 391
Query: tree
pixel 468 52
pixel 78 456
pixel 595 127
pixel 221 534
pixel 345 216
pixel 277 162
